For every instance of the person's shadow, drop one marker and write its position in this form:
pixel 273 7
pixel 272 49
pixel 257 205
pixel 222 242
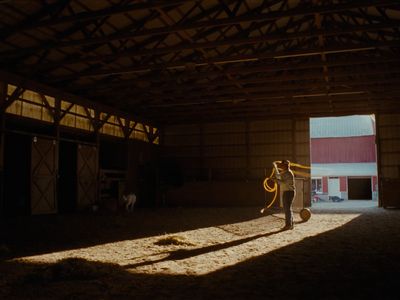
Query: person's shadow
pixel 187 253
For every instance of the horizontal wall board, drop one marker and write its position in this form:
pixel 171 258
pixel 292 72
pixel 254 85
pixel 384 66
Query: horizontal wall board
pixel 182 140
pixel 224 139
pixel 210 151
pixel 389 132
pixel 283 124
pixel 302 137
pixel 275 149
pixel 390 146
pixel 263 162
pixel 302 150
pixel 228 162
pixel 390 172
pixel 388 159
pixel 389 119
pixel 188 151
pixel 270 137
pixel 303 160
pixel 183 129
pixel 186 162
pixel 302 125
pixel 225 193
pixel 224 127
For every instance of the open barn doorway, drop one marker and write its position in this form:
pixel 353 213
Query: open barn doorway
pixel 343 162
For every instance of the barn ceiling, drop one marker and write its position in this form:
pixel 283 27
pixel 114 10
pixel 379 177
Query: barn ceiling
pixel 183 61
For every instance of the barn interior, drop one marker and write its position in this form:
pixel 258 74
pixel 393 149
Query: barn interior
pixel 186 104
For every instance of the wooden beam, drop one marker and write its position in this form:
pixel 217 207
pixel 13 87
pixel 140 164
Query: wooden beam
pixel 233 98
pixel 321 42
pixel 149 133
pixel 389 65
pixel 46 103
pixel 3 96
pixel 340 105
pixel 274 15
pixel 103 121
pixel 3 92
pixel 47 10
pixel 225 60
pixel 91 15
pixel 64 113
pixel 51 91
pixel 123 127
pixel 268 88
pixel 13 97
pixel 225 42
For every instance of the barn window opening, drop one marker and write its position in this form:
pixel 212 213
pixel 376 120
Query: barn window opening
pixel 34 105
pixel 343 162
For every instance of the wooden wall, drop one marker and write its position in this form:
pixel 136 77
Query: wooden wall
pixel 388 135
pixel 236 152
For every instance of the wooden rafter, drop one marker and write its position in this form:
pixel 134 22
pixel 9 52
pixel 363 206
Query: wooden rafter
pixel 181 60
pixel 12 98
pixel 196 25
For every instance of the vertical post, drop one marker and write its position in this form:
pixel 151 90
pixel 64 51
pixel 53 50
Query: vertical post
pixel 378 159
pixel 57 118
pixel 201 141
pixel 161 136
pixel 294 156
pixel 247 137
pixel 56 128
pixel 97 123
pixel 3 95
pixel 128 175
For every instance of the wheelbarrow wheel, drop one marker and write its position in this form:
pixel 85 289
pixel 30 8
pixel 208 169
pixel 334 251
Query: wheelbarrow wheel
pixel 305 214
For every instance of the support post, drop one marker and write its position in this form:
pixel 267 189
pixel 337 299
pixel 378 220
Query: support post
pixel 3 95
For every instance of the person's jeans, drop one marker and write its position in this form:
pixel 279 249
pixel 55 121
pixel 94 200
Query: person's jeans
pixel 287 200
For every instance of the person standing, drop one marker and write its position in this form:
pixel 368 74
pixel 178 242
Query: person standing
pixel 285 179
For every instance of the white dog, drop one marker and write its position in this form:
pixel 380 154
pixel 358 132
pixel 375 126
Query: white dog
pixel 129 201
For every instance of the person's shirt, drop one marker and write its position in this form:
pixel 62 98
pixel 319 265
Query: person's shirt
pixel 286 181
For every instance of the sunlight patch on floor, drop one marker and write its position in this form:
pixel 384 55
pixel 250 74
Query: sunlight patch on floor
pixel 207 249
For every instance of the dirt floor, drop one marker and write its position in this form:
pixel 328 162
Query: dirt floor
pixel 203 253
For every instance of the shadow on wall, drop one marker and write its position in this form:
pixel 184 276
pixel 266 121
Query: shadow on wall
pixel 359 260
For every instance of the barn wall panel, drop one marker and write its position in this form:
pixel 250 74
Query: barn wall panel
pixel 184 129
pixel 390 159
pixel 225 162
pixel 278 150
pixel 215 194
pixel 183 151
pixel 270 137
pixel 224 127
pixel 224 138
pixel 390 132
pixel 239 151
pixel 222 151
pixel 270 125
pixel 181 140
pixel 388 128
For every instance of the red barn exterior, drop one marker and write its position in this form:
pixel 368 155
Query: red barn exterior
pixel 343 158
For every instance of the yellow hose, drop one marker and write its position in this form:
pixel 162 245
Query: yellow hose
pixel 274 188
pixel 270 189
